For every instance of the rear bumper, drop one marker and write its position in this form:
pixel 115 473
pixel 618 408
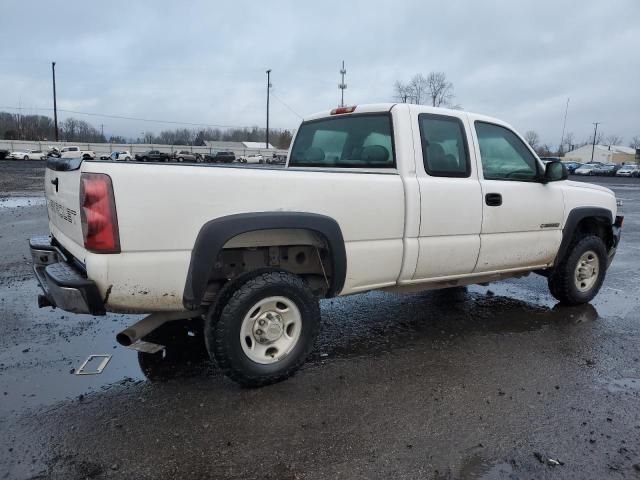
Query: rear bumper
pixel 65 284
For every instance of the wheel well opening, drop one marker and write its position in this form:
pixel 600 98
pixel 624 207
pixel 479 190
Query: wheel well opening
pixel 302 252
pixel 601 227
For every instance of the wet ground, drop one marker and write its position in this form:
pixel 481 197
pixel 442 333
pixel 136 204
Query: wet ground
pixel 484 383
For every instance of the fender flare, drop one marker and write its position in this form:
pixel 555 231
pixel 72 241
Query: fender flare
pixel 216 233
pixel 574 218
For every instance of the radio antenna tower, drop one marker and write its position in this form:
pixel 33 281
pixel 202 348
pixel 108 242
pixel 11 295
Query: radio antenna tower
pixel 342 86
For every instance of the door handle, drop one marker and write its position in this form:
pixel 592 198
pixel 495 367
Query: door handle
pixel 493 199
pixel 54 182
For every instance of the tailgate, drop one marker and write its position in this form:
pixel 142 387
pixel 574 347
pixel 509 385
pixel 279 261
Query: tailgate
pixel 62 189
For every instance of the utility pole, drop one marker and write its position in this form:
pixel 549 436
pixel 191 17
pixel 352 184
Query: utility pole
pixel 342 86
pixel 268 87
pixel 564 124
pixel 102 130
pixel 55 107
pixel 593 146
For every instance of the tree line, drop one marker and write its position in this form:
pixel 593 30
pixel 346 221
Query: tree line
pixel 15 126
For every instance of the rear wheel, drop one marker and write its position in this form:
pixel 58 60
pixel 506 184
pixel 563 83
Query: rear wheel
pixel 265 329
pixel 579 275
pixel 26 157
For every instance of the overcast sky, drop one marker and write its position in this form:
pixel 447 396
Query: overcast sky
pixel 205 62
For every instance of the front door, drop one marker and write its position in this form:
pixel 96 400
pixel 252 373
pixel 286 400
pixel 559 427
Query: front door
pixel 521 216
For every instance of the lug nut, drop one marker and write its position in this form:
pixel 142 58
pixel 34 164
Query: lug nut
pixel 259 332
pixel 261 322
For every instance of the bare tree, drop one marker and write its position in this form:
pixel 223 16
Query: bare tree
pixel 569 140
pixel 613 140
pixel 599 139
pixel 440 89
pixel 544 150
pixel 532 138
pixel 635 142
pixel 419 87
pixel 402 92
pixel 434 90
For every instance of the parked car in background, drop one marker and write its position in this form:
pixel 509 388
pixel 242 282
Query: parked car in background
pixel 53 152
pixel 76 152
pixel 152 156
pixel 586 169
pixel 27 155
pixel 187 156
pixel 4 154
pixel 606 170
pixel 628 171
pixel 251 159
pixel 223 156
pixel 572 166
pixel 120 155
pixel 277 159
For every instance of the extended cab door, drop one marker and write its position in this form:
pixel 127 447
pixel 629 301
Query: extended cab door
pixel 450 197
pixel 521 216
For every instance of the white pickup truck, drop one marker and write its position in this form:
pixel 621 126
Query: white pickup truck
pixel 76 152
pixel 386 196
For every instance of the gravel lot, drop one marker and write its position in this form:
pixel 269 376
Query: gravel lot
pixel 483 383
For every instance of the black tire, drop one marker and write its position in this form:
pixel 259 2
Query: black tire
pixel 180 159
pixel 26 157
pixel 562 281
pixel 144 159
pixel 224 322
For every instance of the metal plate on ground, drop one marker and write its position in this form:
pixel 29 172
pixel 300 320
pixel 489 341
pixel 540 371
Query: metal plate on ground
pixel 93 365
pixel 146 347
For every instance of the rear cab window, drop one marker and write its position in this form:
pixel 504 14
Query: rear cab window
pixel 347 141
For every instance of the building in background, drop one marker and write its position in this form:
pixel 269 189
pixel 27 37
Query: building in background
pixel 602 153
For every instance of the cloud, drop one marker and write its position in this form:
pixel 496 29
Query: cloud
pixel 205 62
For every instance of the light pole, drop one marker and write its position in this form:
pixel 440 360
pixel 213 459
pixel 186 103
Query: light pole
pixel 55 107
pixel 593 145
pixel 268 87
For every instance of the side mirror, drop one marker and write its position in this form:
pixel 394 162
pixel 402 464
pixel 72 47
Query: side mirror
pixel 555 171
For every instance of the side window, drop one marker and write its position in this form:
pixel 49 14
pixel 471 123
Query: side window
pixel 444 146
pixel 504 156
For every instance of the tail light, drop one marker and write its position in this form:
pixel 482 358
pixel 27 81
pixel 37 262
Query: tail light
pixel 341 110
pixel 98 214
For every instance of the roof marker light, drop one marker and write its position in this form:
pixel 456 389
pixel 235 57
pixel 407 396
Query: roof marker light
pixel 341 110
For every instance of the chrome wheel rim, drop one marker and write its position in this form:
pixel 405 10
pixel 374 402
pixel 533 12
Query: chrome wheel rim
pixel 587 271
pixel 270 330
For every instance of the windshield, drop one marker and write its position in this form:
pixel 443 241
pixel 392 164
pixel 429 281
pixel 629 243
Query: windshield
pixel 354 141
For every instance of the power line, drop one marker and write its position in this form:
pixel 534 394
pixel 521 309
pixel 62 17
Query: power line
pixel 286 106
pixel 123 117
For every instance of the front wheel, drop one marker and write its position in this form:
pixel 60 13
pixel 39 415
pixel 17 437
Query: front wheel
pixel 579 275
pixel 26 157
pixel 265 330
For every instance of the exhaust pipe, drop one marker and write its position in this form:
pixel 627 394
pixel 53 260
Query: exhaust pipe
pixel 148 324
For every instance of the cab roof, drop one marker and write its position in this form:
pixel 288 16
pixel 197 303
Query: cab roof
pixel 386 107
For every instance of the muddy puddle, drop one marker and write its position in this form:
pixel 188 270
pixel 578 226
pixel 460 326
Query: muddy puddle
pixel 16 202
